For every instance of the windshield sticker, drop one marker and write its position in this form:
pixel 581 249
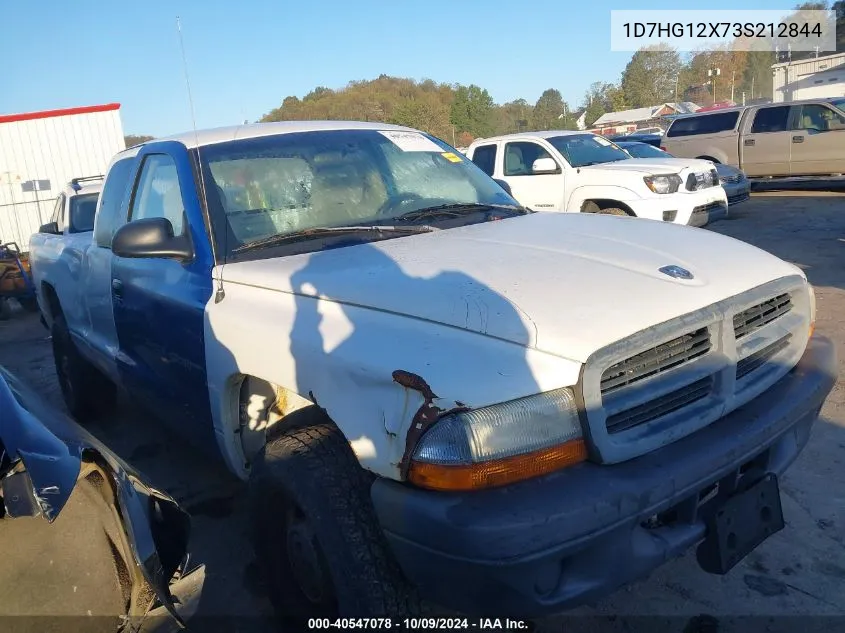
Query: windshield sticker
pixel 411 141
pixel 602 141
pixel 451 157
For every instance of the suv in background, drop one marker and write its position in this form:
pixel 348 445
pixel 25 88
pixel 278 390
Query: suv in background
pixel 75 207
pixel 576 172
pixel 800 138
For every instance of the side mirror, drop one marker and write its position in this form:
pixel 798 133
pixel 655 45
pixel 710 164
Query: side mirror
pixel 545 166
pixel 51 227
pixel 504 185
pixel 151 237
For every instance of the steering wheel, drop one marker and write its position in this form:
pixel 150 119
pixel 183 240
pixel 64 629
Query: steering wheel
pixel 397 202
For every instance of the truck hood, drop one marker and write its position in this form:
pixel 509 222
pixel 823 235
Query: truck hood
pixel 654 165
pixel 566 284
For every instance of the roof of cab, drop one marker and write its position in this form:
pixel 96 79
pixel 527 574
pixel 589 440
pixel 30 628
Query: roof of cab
pixel 541 134
pixel 211 136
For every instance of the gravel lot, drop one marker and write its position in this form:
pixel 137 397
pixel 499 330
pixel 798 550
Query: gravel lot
pixel 798 572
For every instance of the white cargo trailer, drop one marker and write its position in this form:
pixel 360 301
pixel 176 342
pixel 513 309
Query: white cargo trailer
pixel 39 154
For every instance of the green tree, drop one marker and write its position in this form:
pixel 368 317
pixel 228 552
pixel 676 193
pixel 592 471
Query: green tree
pixel 472 111
pixel 136 139
pixel 651 75
pixel 757 79
pixel 548 110
pixel 427 114
pixel 601 98
pixel 511 117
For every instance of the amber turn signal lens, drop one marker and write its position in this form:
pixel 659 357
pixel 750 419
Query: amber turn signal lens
pixel 497 472
pixel 812 329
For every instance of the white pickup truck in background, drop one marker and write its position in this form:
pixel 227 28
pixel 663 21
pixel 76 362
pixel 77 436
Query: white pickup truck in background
pixel 581 171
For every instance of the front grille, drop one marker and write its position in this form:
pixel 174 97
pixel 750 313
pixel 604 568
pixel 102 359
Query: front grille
pixel 708 208
pixel 760 357
pixel 741 197
pixel 734 178
pixel 664 405
pixel 656 360
pixel 762 314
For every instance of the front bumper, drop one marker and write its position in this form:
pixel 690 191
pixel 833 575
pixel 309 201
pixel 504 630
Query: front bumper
pixel 692 208
pixel 737 191
pixel 545 545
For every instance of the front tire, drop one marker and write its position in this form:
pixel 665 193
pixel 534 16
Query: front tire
pixel 85 390
pixel 315 533
pixel 592 207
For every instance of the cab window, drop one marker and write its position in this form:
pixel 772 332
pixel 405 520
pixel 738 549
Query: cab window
pixel 819 118
pixel 108 217
pixel 485 157
pixel 158 194
pixel 520 156
pixel 768 120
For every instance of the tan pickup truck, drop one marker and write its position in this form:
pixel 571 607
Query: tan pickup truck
pixel 799 138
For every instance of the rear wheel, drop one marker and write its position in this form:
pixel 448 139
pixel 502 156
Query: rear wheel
pixel 85 390
pixel 315 532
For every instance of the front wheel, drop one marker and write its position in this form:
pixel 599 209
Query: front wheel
pixel 315 533
pixel 85 390
pixel 592 207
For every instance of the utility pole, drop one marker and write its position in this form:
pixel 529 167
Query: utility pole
pixel 752 87
pixel 733 81
pixel 713 73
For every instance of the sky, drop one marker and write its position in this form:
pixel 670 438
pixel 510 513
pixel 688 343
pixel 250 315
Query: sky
pixel 245 56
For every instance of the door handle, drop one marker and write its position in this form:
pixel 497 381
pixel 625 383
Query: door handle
pixel 117 287
pixel 797 139
pixel 748 142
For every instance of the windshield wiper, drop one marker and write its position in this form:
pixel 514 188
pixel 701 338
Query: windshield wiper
pixel 323 231
pixel 456 210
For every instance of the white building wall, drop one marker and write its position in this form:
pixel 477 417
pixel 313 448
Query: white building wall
pixel 55 148
pixel 809 78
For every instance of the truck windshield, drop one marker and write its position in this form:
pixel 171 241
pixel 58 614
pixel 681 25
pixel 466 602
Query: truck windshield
pixel 82 212
pixel 644 150
pixel 288 183
pixel 582 150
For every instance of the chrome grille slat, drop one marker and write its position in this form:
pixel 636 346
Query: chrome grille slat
pixel 760 357
pixel 659 407
pixel 656 360
pixel 761 314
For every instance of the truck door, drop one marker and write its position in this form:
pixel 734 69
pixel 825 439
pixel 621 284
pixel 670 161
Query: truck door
pixel 818 141
pixel 99 335
pixel 159 303
pixel 765 143
pixel 535 191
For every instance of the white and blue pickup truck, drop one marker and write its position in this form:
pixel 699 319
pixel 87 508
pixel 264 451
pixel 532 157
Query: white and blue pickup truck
pixel 436 395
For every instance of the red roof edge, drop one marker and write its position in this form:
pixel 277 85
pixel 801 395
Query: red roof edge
pixel 46 114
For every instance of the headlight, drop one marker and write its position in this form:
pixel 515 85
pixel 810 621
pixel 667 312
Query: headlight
pixel 500 444
pixel 666 183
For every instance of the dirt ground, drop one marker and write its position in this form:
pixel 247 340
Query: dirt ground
pixel 799 572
